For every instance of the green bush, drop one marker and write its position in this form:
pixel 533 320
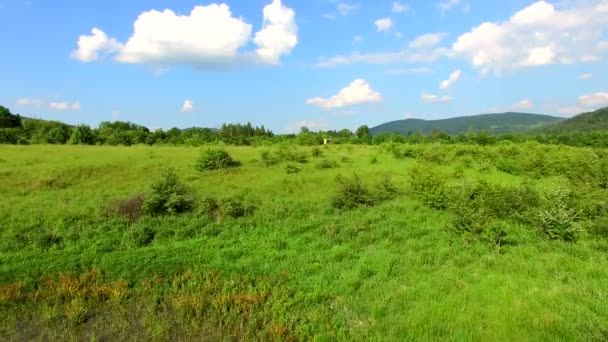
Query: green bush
pixel 292 155
pixel 268 158
pixel 428 185
pixel 168 196
pixel 292 169
pixel 234 207
pixel 326 164
pixel 214 159
pixel 351 194
pixel 317 152
pixel 385 189
pixel 556 218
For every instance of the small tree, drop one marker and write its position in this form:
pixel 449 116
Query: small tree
pixel 168 195
pixel 214 159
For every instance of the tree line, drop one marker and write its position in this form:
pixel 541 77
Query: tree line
pixel 15 129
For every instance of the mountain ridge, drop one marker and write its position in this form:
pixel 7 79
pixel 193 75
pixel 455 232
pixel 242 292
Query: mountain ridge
pixel 494 123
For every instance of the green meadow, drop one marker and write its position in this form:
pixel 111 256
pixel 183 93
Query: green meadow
pixel 392 242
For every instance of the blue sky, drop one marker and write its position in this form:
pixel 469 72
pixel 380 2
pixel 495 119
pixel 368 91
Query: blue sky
pixel 325 64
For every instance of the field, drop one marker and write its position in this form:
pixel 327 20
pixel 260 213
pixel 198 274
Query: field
pixel 425 242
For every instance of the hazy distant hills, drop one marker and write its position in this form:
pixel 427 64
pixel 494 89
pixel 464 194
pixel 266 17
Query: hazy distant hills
pixel 585 122
pixel 499 123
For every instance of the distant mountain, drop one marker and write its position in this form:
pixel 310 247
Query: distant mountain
pixel 499 123
pixel 585 122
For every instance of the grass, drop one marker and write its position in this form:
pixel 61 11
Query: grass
pixel 294 269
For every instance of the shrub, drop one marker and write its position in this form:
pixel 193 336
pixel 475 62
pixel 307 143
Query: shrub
pixel 385 189
pixel 346 159
pixel 292 169
pixel 351 194
pixel 214 159
pixel 508 165
pixel 130 208
pixel 268 158
pixel 557 219
pixel 234 207
pixel 292 155
pixel 326 164
pixel 317 152
pixel 428 185
pixel 373 160
pixel 168 195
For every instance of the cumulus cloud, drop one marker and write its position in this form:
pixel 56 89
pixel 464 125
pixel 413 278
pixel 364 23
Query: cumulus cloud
pixel 454 77
pixel 384 24
pixel 523 104
pixel 188 106
pixel 358 92
pixel 89 47
pixel 448 5
pixel 432 98
pixel 64 105
pixel 585 77
pixel 594 100
pixel 26 101
pixel 538 35
pixel 422 49
pixel 209 36
pixel 399 7
pixel 312 125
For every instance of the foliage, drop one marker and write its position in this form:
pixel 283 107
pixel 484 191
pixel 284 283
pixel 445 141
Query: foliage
pixel 214 159
pixel 351 193
pixel 168 196
pixel 234 207
pixel 324 164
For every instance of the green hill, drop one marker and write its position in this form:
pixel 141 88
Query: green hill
pixel 499 123
pixel 585 122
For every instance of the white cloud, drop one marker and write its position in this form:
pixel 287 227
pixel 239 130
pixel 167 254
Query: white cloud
pixel 454 77
pixel 570 110
pixel 75 106
pixel 538 35
pixel 279 35
pixel 432 98
pixel 594 100
pixel 188 106
pixel 64 105
pixel 420 50
pixel 399 7
pixel 523 104
pixel 410 71
pixel 346 9
pixel 26 101
pixel 208 37
pixel 427 40
pixel 89 47
pixel 585 76
pixel 358 92
pixel 384 24
pixel 312 125
pixel 357 40
pixel 448 5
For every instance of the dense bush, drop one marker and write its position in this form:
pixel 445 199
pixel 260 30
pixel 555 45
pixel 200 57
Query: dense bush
pixel 326 164
pixel 234 207
pixel 214 159
pixel 317 152
pixel 352 193
pixel 428 185
pixel 557 218
pixel 168 195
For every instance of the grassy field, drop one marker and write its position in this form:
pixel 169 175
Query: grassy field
pixel 433 242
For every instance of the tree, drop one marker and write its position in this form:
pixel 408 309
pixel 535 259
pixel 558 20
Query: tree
pixel 7 119
pixel 364 134
pixel 82 134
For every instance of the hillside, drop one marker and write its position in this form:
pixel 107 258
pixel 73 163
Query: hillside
pixel 493 123
pixel 585 122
